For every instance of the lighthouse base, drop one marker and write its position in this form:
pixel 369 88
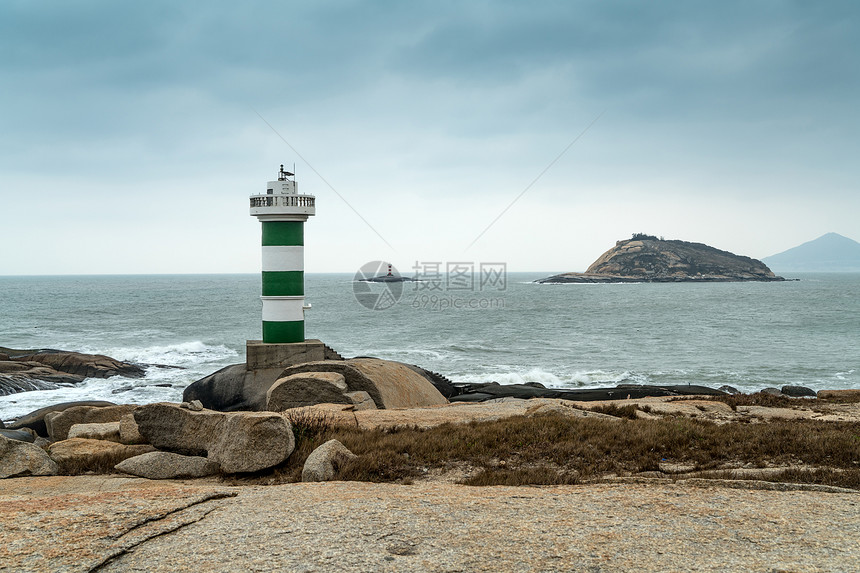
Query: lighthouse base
pixel 261 354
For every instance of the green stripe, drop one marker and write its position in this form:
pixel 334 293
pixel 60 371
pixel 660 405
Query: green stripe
pixel 290 233
pixel 281 332
pixel 283 283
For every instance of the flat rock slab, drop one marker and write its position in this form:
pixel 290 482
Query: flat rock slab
pixel 350 526
pixel 74 523
pixel 455 413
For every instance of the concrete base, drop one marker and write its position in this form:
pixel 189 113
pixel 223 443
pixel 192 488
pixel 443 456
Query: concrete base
pixel 261 355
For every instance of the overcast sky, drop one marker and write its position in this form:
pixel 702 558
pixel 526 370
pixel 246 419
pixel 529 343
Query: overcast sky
pixel 131 132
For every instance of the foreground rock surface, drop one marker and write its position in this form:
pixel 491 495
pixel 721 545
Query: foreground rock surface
pixel 237 441
pixel 83 521
pixel 648 259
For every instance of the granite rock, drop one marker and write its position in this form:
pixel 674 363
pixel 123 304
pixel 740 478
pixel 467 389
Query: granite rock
pixel 167 465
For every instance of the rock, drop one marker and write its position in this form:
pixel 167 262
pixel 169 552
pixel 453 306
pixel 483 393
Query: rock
pixel 306 389
pixel 78 455
pixel 323 462
pixel 195 405
pixel 729 389
pixel 252 441
pixel 233 388
pixel 167 465
pixel 389 384
pixel 771 391
pixel 847 395
pixel 170 427
pixel 128 432
pixel 2 425
pixel 36 420
pixel 19 435
pixel 494 390
pixel 106 431
pixel 16 376
pixel 19 458
pixel 59 423
pixel 237 441
pixel 361 400
pixel 646 258
pixel 86 365
pixel 798 391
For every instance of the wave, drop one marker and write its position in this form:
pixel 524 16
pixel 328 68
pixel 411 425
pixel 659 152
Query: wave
pixel 185 354
pixel 11 384
pixel 579 379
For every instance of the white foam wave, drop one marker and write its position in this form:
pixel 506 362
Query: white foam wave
pixel 580 379
pixel 184 354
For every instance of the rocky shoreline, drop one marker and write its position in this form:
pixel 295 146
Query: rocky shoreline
pixel 170 486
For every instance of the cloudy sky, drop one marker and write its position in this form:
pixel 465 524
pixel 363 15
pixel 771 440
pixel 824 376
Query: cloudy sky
pixel 132 133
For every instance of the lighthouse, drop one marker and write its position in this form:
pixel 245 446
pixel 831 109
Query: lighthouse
pixel 282 211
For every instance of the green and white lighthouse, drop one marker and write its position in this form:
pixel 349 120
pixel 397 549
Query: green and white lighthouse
pixel 283 212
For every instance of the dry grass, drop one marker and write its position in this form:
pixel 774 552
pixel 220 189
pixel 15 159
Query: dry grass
pixel 100 463
pixel 628 411
pixel 553 449
pixel 773 401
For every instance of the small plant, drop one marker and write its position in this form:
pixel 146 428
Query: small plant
pixel 628 411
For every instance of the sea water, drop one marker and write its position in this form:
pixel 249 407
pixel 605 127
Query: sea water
pixel 748 335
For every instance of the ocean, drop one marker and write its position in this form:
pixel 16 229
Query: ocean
pixel 510 330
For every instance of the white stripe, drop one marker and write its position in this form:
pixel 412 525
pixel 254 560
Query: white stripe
pixel 283 308
pixel 281 258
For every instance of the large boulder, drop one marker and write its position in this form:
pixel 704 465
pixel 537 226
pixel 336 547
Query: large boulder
pixel 389 384
pixel 59 423
pixel 167 465
pixel 78 455
pixel 305 389
pixel 233 388
pixel 798 391
pixel 36 420
pixel 851 395
pixel 237 441
pixel 324 461
pixel 19 458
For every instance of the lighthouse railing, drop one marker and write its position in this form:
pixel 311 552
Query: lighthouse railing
pixel 283 201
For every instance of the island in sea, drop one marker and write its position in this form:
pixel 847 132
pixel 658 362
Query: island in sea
pixel 646 258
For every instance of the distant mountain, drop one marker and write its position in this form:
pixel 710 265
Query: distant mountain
pixel 827 253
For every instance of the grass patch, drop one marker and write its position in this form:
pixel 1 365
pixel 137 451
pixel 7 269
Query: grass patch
pixel 554 449
pixel 628 411
pixel 98 463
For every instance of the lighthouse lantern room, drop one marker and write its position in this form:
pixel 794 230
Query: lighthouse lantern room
pixel 282 211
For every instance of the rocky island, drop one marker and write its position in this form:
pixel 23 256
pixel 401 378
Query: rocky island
pixel 646 258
